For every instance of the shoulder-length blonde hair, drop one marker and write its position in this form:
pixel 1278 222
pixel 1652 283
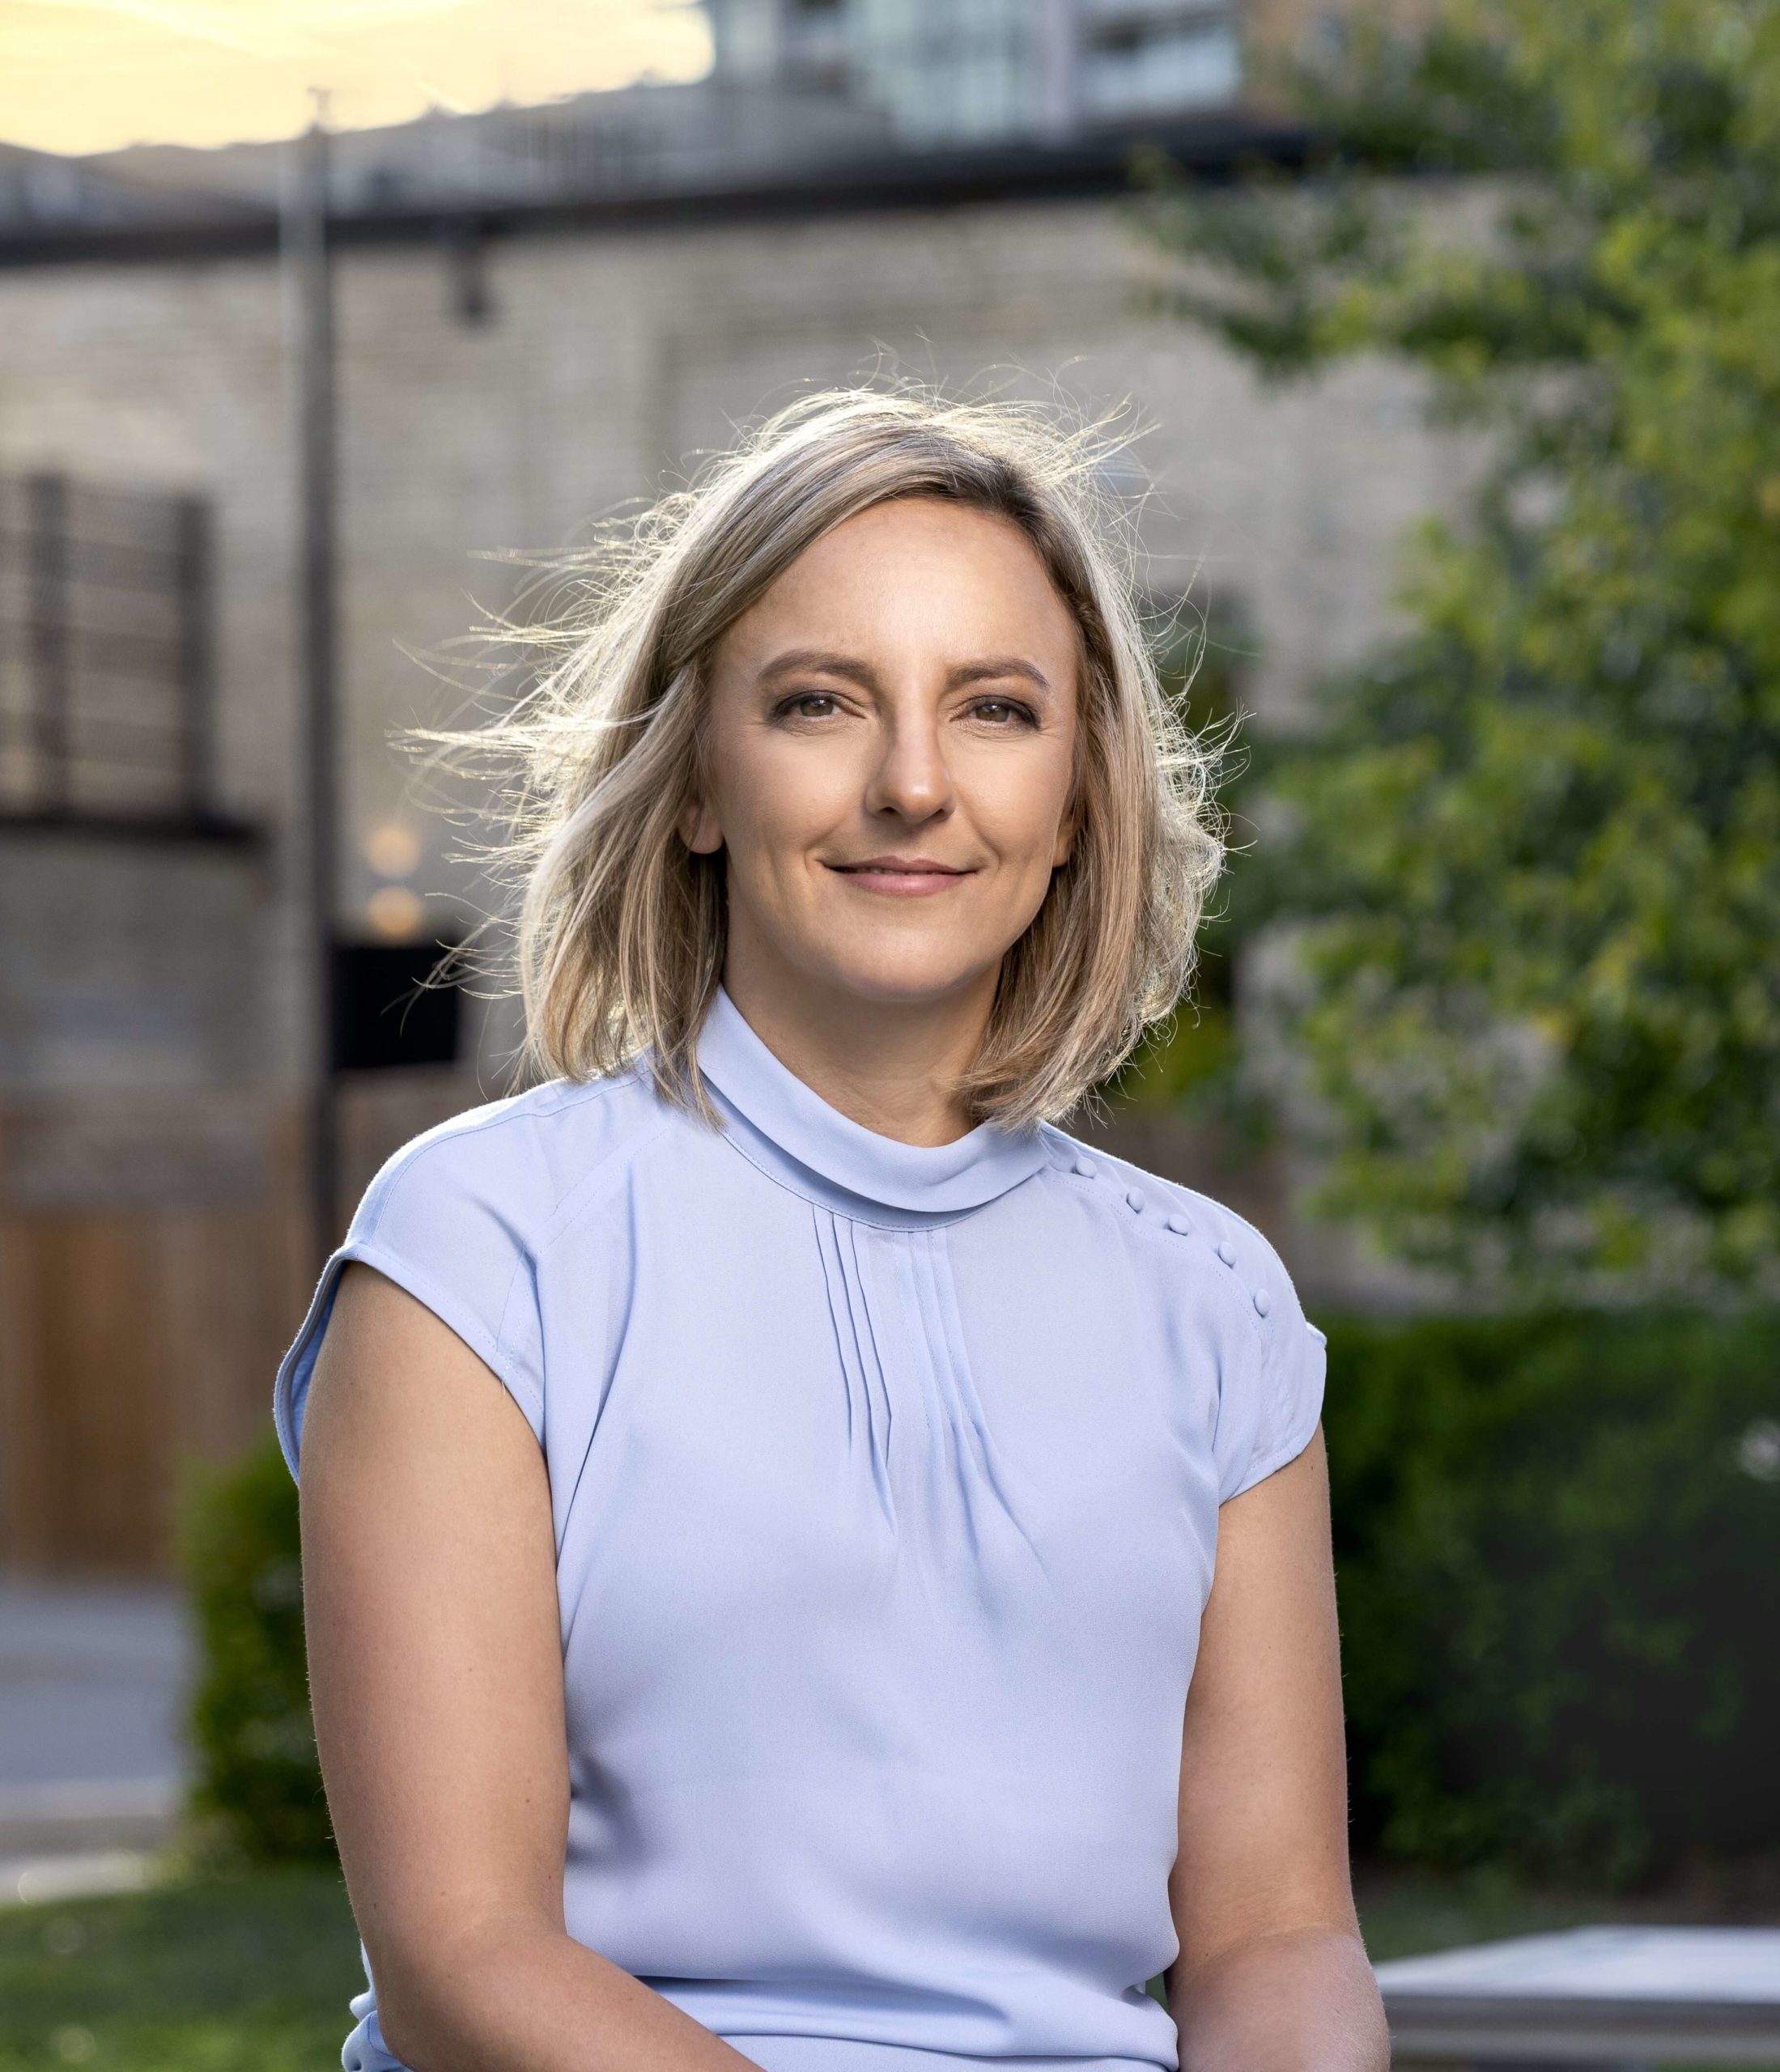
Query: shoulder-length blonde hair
pixel 621 929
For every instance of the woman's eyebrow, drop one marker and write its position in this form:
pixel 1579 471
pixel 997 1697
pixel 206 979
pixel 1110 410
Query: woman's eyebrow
pixel 994 666
pixel 991 668
pixel 824 659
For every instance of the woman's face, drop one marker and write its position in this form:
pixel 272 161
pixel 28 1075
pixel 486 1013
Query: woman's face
pixel 892 735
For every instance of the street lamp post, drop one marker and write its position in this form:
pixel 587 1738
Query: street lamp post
pixel 308 253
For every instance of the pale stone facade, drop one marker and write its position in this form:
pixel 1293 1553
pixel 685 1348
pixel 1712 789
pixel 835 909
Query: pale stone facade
pixel 156 1030
pixel 608 361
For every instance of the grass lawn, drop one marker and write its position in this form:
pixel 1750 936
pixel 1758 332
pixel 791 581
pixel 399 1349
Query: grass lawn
pixel 240 1974
pixel 251 1973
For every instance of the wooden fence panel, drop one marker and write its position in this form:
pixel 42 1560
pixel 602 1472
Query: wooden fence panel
pixel 138 1335
pixel 137 1340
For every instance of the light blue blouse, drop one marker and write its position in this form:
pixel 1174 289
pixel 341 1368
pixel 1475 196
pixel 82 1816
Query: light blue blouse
pixel 886 1481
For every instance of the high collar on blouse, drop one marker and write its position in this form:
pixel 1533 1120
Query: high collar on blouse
pixel 786 1126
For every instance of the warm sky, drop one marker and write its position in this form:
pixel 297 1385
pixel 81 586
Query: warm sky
pixel 88 75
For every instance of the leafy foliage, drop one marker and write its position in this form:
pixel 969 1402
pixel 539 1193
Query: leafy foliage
pixel 259 1777
pixel 1189 1062
pixel 1535 854
pixel 1558 1556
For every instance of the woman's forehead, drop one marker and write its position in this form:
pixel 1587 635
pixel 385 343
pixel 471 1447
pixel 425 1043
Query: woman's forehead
pixel 916 569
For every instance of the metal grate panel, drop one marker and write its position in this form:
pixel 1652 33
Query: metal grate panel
pixel 106 673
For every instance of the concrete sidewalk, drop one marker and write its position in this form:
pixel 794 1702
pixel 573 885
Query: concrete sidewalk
pixel 93 1684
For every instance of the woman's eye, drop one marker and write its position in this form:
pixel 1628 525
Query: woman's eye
pixel 1001 712
pixel 796 708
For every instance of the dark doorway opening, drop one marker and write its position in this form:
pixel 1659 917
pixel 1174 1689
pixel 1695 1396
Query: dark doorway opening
pixel 393 1005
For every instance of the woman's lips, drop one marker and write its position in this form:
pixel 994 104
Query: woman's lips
pixel 899 884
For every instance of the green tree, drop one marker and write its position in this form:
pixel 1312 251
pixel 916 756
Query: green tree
pixel 1189 1063
pixel 1533 854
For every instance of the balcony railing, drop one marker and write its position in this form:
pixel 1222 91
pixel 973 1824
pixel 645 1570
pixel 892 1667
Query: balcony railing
pixel 107 668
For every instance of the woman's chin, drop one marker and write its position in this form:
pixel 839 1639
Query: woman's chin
pixel 879 974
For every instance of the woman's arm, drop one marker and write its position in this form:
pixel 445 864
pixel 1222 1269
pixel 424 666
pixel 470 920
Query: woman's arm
pixel 1272 1976
pixel 436 1672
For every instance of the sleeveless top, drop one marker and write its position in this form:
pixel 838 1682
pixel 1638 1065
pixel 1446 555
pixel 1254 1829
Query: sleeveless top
pixel 886 1481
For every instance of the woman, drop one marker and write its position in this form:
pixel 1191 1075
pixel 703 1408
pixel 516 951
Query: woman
pixel 760 1488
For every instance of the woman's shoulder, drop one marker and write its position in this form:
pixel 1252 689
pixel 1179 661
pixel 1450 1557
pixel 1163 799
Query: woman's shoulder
pixel 1200 1252
pixel 1183 1227
pixel 460 1217
pixel 523 1158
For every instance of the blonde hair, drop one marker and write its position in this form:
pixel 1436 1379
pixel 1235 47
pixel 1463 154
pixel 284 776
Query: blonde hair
pixel 621 927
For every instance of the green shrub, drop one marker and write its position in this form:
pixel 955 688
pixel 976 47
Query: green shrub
pixel 1558 1550
pixel 258 1776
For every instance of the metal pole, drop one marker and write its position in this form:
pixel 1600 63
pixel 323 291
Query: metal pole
pixel 46 525
pixel 197 662
pixel 307 247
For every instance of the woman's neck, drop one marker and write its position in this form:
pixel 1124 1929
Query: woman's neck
pixel 887 1065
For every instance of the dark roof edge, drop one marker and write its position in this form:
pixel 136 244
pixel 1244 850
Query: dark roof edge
pixel 1212 146
pixel 204 829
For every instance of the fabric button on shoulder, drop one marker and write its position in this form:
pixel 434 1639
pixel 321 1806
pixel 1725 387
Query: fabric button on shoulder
pixel 886 1481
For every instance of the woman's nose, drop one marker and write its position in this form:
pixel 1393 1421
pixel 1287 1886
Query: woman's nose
pixel 910 776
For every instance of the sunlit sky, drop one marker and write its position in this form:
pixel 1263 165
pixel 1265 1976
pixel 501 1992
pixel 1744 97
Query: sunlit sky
pixel 90 75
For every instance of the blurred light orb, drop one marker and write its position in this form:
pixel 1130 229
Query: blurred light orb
pixel 393 849
pixel 395 912
pixel 1758 1450
pixel 63 1935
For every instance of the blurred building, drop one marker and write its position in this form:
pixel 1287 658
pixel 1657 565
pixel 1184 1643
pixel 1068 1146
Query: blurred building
pixel 949 71
pixel 543 313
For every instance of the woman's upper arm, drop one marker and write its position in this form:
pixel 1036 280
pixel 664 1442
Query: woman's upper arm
pixel 1262 1840
pixel 435 1656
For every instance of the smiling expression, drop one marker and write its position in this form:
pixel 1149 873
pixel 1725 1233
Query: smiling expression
pixel 891 740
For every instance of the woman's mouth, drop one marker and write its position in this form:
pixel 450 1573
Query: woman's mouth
pixel 903 878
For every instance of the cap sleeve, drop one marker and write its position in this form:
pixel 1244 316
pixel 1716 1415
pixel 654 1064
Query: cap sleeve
pixel 445 1220
pixel 1283 1386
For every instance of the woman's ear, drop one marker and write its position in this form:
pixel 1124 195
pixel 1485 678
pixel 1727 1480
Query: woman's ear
pixel 698 830
pixel 1066 830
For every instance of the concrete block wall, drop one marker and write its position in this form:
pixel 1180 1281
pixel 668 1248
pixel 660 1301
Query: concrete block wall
pixel 608 361
pixel 155 1033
